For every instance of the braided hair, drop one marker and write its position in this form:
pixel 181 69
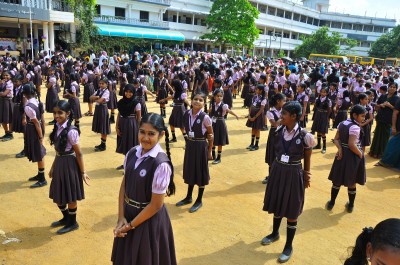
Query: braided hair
pixel 66 107
pixel 157 122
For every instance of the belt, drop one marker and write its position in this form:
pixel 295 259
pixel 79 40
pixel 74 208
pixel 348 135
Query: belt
pixel 69 153
pixel 322 110
pixel 17 104
pixel 196 139
pixel 31 123
pixel 290 163
pixel 129 116
pixel 347 146
pixel 139 205
pixel 177 104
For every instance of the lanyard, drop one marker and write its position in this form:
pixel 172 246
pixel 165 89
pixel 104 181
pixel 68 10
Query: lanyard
pixel 286 148
pixel 190 120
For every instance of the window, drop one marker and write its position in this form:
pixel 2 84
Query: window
pixel 270 33
pixel 365 44
pixel 271 11
pixel 378 29
pixel 316 22
pixel 262 8
pixel 296 17
pixel 144 16
pixel 310 20
pixel 294 36
pixel 357 27
pixel 323 23
pixel 368 28
pixel 261 31
pixel 98 10
pixel 280 13
pixel 347 26
pixel 188 20
pixel 288 15
pixel 119 12
pixel 286 35
pixel 303 19
pixel 253 4
pixel 336 25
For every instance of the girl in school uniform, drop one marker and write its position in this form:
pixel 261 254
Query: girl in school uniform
pixel 274 117
pixel 198 126
pixel 246 87
pixel 88 80
pixel 303 99
pixel 101 121
pixel 288 91
pixel 227 87
pixel 143 234
pixel 72 94
pixel 112 88
pixel 323 106
pixel 18 119
pixel 6 105
pixel 284 194
pixel 67 172
pixel 256 119
pixel 127 126
pixel 52 94
pixel 140 92
pixel 217 112
pixel 332 95
pixel 369 117
pixel 348 168
pixel 162 92
pixel 34 132
pixel 343 103
pixel 37 70
pixel 178 111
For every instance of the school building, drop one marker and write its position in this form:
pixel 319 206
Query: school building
pixel 281 23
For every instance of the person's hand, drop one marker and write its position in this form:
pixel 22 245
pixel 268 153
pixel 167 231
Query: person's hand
pixel 210 157
pixel 237 117
pixel 302 118
pixel 24 122
pixel 307 178
pixel 339 154
pixel 51 173
pixel 86 178
pixel 41 141
pixel 394 131
pixel 120 224
pixel 118 131
pixel 252 119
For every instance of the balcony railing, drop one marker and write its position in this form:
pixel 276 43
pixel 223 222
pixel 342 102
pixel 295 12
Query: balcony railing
pixel 59 5
pixel 160 2
pixel 131 22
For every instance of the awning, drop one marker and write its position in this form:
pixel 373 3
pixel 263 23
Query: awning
pixel 138 32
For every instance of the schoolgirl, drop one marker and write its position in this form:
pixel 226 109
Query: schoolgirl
pixel 236 79
pixel 123 81
pixel 101 122
pixel 217 112
pixel 34 132
pixel 348 168
pixel 303 99
pixel 37 70
pixel 140 92
pixel 149 176
pixel 18 119
pixel 198 126
pixel 127 125
pixel 6 106
pixel 323 107
pixel 72 94
pixel 287 91
pixel 52 94
pixel 369 117
pixel 227 87
pixel 332 95
pixel 162 92
pixel 88 80
pixel 67 172
pixel 274 117
pixel 343 104
pixel 112 88
pixel 284 194
pixel 246 88
pixel 256 117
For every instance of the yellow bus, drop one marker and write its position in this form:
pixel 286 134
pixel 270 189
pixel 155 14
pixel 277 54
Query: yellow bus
pixel 392 62
pixel 354 59
pixel 372 61
pixel 327 57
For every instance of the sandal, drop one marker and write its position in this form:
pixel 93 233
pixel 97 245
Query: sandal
pixel 378 164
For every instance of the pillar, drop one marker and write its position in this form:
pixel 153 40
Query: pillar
pixel 46 34
pixel 24 36
pixel 288 53
pixel 191 45
pixel 51 37
pixel 272 53
pixel 72 29
pixel 36 38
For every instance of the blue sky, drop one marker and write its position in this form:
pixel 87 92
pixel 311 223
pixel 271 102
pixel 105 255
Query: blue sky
pixel 380 8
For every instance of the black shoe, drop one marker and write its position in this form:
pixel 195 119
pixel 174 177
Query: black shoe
pixel 184 202
pixel 265 181
pixel 20 154
pixel 68 228
pixel 7 137
pixel 249 147
pixel 285 256
pixel 52 122
pixel 216 161
pixel 318 146
pixel 62 222
pixel 35 178
pixel 254 148
pixel 39 184
pixel 120 167
pixel 195 207
pixel 269 239
pixel 323 151
pixel 173 140
pixel 329 205
pixel 1 138
pixel 100 148
pixel 112 120
pixel 349 207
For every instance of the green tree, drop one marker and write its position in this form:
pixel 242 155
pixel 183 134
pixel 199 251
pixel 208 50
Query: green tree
pixel 388 45
pixel 323 43
pixel 232 22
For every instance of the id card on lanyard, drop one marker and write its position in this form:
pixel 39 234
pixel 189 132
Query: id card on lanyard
pixel 285 157
pixel 191 132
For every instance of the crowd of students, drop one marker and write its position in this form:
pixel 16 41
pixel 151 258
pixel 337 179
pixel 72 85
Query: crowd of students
pixel 279 98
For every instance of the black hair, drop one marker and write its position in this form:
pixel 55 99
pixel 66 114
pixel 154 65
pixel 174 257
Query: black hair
pixel 293 107
pixel 157 122
pixel 357 109
pixel 135 82
pixel 201 94
pixel 178 88
pixel 362 96
pixel 64 106
pixel 384 88
pixel 394 84
pixel 104 80
pixel 303 86
pixel 373 91
pixel 229 72
pixel 275 98
pixel 385 235
pixel 217 91
pixel 368 85
pixel 218 81
pixel 344 84
pixel 262 88
pixel 346 94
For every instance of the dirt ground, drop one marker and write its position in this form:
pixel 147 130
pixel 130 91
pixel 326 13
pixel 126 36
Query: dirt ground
pixel 227 230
